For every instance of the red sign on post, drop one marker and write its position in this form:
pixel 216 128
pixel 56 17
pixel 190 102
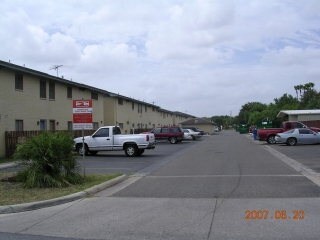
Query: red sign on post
pixel 82 114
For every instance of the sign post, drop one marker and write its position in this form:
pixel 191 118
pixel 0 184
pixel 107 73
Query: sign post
pixel 82 117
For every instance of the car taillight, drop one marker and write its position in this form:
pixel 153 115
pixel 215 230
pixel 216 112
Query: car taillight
pixel 147 138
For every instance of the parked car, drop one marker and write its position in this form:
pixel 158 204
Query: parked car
pixel 172 134
pixel 190 134
pixel 298 136
pixel 268 134
pixel 196 130
pixel 109 138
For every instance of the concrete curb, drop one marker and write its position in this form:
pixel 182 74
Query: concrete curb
pixel 8 165
pixel 56 201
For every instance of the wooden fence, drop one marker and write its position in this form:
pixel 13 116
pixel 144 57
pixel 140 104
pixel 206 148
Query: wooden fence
pixel 13 138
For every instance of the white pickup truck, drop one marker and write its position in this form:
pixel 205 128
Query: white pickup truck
pixel 109 138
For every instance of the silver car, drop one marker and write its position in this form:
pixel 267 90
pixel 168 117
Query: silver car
pixel 298 136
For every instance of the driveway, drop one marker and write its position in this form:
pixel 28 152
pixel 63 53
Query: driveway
pixel 210 190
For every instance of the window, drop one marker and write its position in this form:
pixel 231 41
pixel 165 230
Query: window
pixel 103 132
pixel 70 126
pixel 120 101
pixel 165 130
pixel 95 125
pixel 145 108
pixel 19 81
pixel 299 125
pixel 43 124
pixel 69 92
pixel 52 91
pixel 156 130
pixel 94 95
pixel 139 108
pixel 19 125
pixel 305 131
pixel 116 130
pixel 43 89
pixel 132 105
pixel 52 125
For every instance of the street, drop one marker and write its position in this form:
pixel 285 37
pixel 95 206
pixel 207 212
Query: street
pixel 224 186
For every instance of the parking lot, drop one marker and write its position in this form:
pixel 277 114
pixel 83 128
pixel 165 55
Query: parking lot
pixel 117 162
pixel 308 155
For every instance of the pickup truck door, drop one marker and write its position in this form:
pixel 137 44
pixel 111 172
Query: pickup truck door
pixel 101 140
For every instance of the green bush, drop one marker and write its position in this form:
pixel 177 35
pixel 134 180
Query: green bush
pixel 48 161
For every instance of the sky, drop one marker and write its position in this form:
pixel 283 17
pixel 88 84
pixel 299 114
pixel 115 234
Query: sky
pixel 200 57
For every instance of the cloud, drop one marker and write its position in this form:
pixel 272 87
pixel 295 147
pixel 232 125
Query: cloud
pixel 205 56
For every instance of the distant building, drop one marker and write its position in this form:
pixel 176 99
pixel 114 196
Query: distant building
pixel 201 123
pixel 309 117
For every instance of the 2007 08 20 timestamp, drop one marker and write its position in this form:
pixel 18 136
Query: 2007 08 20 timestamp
pixel 281 214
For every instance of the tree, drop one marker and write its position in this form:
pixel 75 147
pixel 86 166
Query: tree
pixel 249 108
pixel 255 112
pixel 286 102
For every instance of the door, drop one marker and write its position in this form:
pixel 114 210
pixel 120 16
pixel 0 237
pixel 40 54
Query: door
pixel 101 140
pixel 307 136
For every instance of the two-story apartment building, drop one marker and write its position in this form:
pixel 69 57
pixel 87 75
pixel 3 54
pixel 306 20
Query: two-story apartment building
pixel 33 100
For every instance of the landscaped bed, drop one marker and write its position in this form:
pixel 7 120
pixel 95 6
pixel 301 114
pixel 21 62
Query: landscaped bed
pixel 12 192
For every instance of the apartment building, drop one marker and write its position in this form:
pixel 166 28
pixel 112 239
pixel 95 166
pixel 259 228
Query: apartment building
pixel 33 100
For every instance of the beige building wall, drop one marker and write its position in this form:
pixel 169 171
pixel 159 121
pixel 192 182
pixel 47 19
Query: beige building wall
pixel 27 105
pixel 130 114
pixel 304 117
pixel 109 110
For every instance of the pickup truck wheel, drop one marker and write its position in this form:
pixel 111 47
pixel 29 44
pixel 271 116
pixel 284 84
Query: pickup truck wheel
pixel 131 150
pixel 292 141
pixel 271 139
pixel 173 140
pixel 80 149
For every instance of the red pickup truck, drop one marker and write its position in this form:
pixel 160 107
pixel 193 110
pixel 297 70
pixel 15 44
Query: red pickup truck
pixel 268 134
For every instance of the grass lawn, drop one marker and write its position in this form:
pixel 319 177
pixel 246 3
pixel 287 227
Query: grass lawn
pixel 14 193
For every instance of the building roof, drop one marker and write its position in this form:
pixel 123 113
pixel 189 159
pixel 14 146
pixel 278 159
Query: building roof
pixel 298 112
pixel 29 71
pixel 197 121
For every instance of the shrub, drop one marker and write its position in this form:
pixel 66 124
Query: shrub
pixel 48 161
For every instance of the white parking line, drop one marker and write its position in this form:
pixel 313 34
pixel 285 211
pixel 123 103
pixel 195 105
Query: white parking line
pixel 98 168
pixel 218 176
pixel 305 171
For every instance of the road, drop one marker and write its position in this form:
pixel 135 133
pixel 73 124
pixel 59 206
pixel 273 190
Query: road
pixel 223 187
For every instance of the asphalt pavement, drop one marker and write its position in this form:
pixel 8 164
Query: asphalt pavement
pixel 223 187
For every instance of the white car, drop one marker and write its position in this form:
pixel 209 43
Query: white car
pixel 189 134
pixel 298 136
